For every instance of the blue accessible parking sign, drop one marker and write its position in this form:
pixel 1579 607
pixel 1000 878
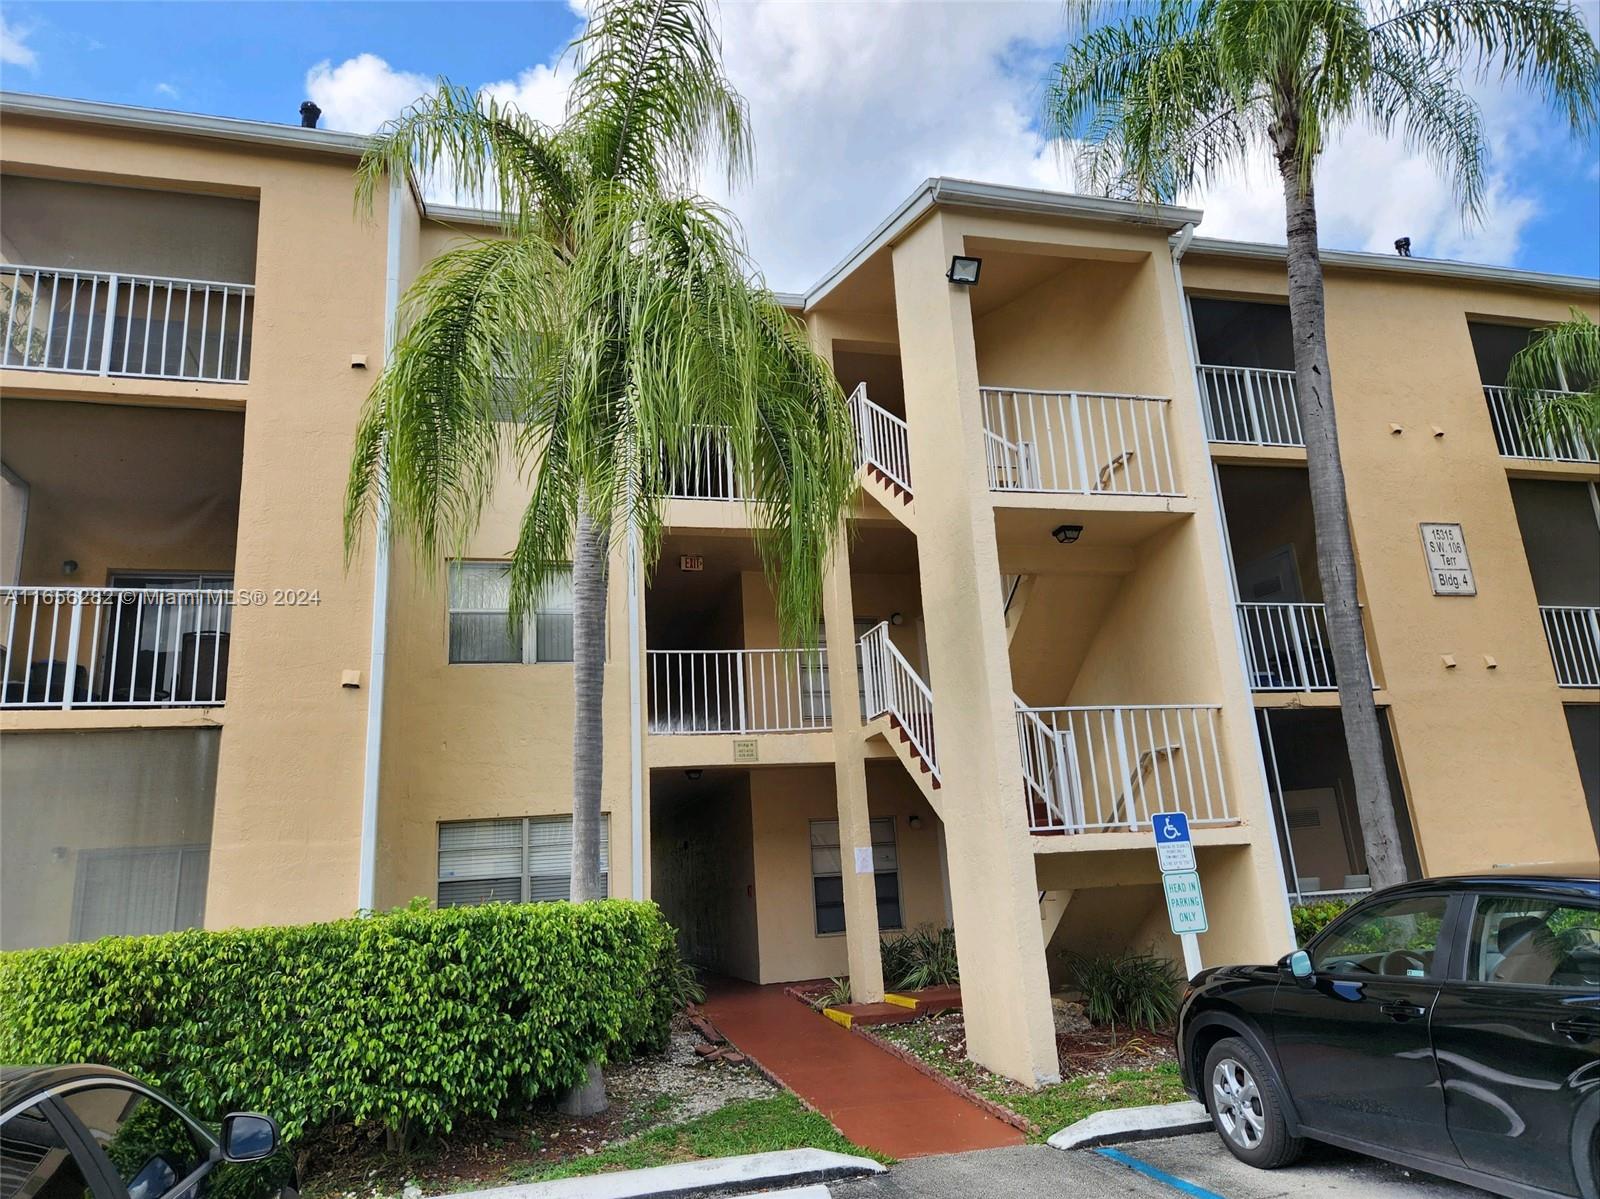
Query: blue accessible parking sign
pixel 1174 849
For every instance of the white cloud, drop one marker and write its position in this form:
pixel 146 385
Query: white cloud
pixel 363 92
pixel 166 89
pixel 539 92
pixel 14 48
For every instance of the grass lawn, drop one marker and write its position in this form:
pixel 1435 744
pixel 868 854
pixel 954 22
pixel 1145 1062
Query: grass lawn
pixel 1048 1108
pixel 750 1126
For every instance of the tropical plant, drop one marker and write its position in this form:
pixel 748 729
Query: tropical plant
pixel 1136 989
pixel 1309 919
pixel 595 343
pixel 838 993
pixel 1179 93
pixel 923 957
pixel 1567 353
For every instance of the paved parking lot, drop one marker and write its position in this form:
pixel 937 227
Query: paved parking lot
pixel 1196 1166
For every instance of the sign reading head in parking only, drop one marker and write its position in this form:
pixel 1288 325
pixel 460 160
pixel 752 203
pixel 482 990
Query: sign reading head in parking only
pixel 1174 849
pixel 1186 906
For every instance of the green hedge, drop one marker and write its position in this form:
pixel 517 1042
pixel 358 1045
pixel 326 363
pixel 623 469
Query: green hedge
pixel 411 1020
pixel 1311 918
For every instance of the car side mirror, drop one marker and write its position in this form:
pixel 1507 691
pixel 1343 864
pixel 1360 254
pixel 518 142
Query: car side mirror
pixel 1300 964
pixel 247 1137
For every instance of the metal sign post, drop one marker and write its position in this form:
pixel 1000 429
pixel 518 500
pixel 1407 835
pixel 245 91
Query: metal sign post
pixel 1180 884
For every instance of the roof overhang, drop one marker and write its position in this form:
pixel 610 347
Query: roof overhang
pixel 1435 268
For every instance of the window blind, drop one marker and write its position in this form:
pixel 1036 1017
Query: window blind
pixel 513 860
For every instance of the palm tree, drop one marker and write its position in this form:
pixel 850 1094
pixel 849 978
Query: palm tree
pixel 1179 93
pixel 611 329
pixel 1567 353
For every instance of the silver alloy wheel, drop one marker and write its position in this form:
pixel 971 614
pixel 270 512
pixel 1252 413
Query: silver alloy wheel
pixel 1236 1100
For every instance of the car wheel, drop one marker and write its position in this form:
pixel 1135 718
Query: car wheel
pixel 1242 1095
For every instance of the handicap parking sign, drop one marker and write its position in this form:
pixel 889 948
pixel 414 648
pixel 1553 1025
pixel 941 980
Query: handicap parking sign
pixel 1174 850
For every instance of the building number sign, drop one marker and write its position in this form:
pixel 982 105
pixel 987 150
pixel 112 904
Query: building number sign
pixel 1448 568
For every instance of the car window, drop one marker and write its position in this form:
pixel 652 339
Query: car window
pixel 1534 942
pixel 35 1162
pixel 150 1146
pixel 1396 939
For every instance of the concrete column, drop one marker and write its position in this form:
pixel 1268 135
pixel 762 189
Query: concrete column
pixel 993 889
pixel 850 781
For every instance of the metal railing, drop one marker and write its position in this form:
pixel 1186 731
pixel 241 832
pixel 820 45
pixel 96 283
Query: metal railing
pixel 1509 415
pixel 1077 442
pixel 102 323
pixel 1574 637
pixel 1098 769
pixel 1287 647
pixel 881 439
pixel 1250 405
pixel 890 687
pixel 705 471
pixel 738 690
pixel 113 647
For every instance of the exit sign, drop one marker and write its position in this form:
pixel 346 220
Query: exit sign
pixel 691 562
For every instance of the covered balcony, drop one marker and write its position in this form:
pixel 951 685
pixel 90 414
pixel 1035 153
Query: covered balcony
pixel 1561 536
pixel 119 528
pixel 1495 346
pixel 126 282
pixel 1247 381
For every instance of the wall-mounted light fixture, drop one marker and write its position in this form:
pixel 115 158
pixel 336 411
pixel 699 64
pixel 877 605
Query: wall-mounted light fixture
pixel 896 619
pixel 915 821
pixel 692 775
pixel 964 270
pixel 69 567
pixel 1067 534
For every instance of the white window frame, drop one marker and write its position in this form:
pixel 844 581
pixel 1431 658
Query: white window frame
pixel 527 823
pixel 529 638
pixel 876 825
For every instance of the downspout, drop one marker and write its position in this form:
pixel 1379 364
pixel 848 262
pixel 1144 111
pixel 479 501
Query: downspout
pixel 635 713
pixel 367 882
pixel 1179 245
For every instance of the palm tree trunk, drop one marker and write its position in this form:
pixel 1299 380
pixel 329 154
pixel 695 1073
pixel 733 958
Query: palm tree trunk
pixel 1336 561
pixel 591 561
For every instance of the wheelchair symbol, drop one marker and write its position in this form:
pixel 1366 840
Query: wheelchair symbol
pixel 1169 830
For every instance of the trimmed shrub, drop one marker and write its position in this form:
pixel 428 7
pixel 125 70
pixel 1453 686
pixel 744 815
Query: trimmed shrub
pixel 1311 918
pixel 411 1020
pixel 1136 989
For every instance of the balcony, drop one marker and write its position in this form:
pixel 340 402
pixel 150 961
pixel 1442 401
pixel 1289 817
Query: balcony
pixel 1247 405
pixel 1509 416
pixel 699 691
pixel 114 647
pixel 1574 637
pixel 1287 647
pixel 1109 769
pixel 130 326
pixel 1077 443
pixel 706 471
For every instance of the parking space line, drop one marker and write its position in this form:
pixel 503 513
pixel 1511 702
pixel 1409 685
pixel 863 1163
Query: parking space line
pixel 1149 1171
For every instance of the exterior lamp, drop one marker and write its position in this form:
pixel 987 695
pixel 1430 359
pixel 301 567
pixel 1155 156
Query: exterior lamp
pixel 1067 534
pixel 964 270
pixel 692 775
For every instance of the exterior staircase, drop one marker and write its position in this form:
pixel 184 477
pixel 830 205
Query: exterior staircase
pixel 898 705
pixel 883 455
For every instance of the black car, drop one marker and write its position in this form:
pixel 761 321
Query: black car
pixel 1451 1025
pixel 88 1132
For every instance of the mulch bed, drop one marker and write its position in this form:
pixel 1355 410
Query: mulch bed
pixel 1094 1050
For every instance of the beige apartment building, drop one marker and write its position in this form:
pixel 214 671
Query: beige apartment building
pixel 1080 588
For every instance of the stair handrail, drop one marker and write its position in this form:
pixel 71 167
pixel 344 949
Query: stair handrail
pixel 882 438
pixel 892 687
pixel 1042 760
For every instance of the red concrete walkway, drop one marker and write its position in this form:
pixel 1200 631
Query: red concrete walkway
pixel 876 1100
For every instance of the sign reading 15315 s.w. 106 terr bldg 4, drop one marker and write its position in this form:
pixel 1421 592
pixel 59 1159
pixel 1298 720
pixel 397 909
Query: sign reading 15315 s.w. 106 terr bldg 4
pixel 1449 569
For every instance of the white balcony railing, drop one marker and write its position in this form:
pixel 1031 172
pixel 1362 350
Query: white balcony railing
pixel 1509 415
pixel 1287 647
pixel 738 690
pixel 890 687
pixel 706 471
pixel 113 647
pixel 1249 405
pixel 1103 769
pixel 1574 637
pixel 98 323
pixel 1077 442
pixel 881 440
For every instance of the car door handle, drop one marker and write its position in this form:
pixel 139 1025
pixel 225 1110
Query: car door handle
pixel 1403 1011
pixel 1578 1030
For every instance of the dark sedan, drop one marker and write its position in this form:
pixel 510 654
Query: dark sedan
pixel 89 1132
pixel 1451 1025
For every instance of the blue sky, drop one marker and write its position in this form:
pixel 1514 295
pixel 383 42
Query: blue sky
pixel 853 104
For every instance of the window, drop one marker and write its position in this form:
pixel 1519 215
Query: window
pixel 480 626
pixel 1396 939
pixel 37 1162
pixel 153 889
pixel 827 879
pixel 1535 943
pixel 151 1147
pixel 520 860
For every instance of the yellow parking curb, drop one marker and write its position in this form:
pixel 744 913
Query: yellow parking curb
pixel 901 1000
pixel 838 1017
